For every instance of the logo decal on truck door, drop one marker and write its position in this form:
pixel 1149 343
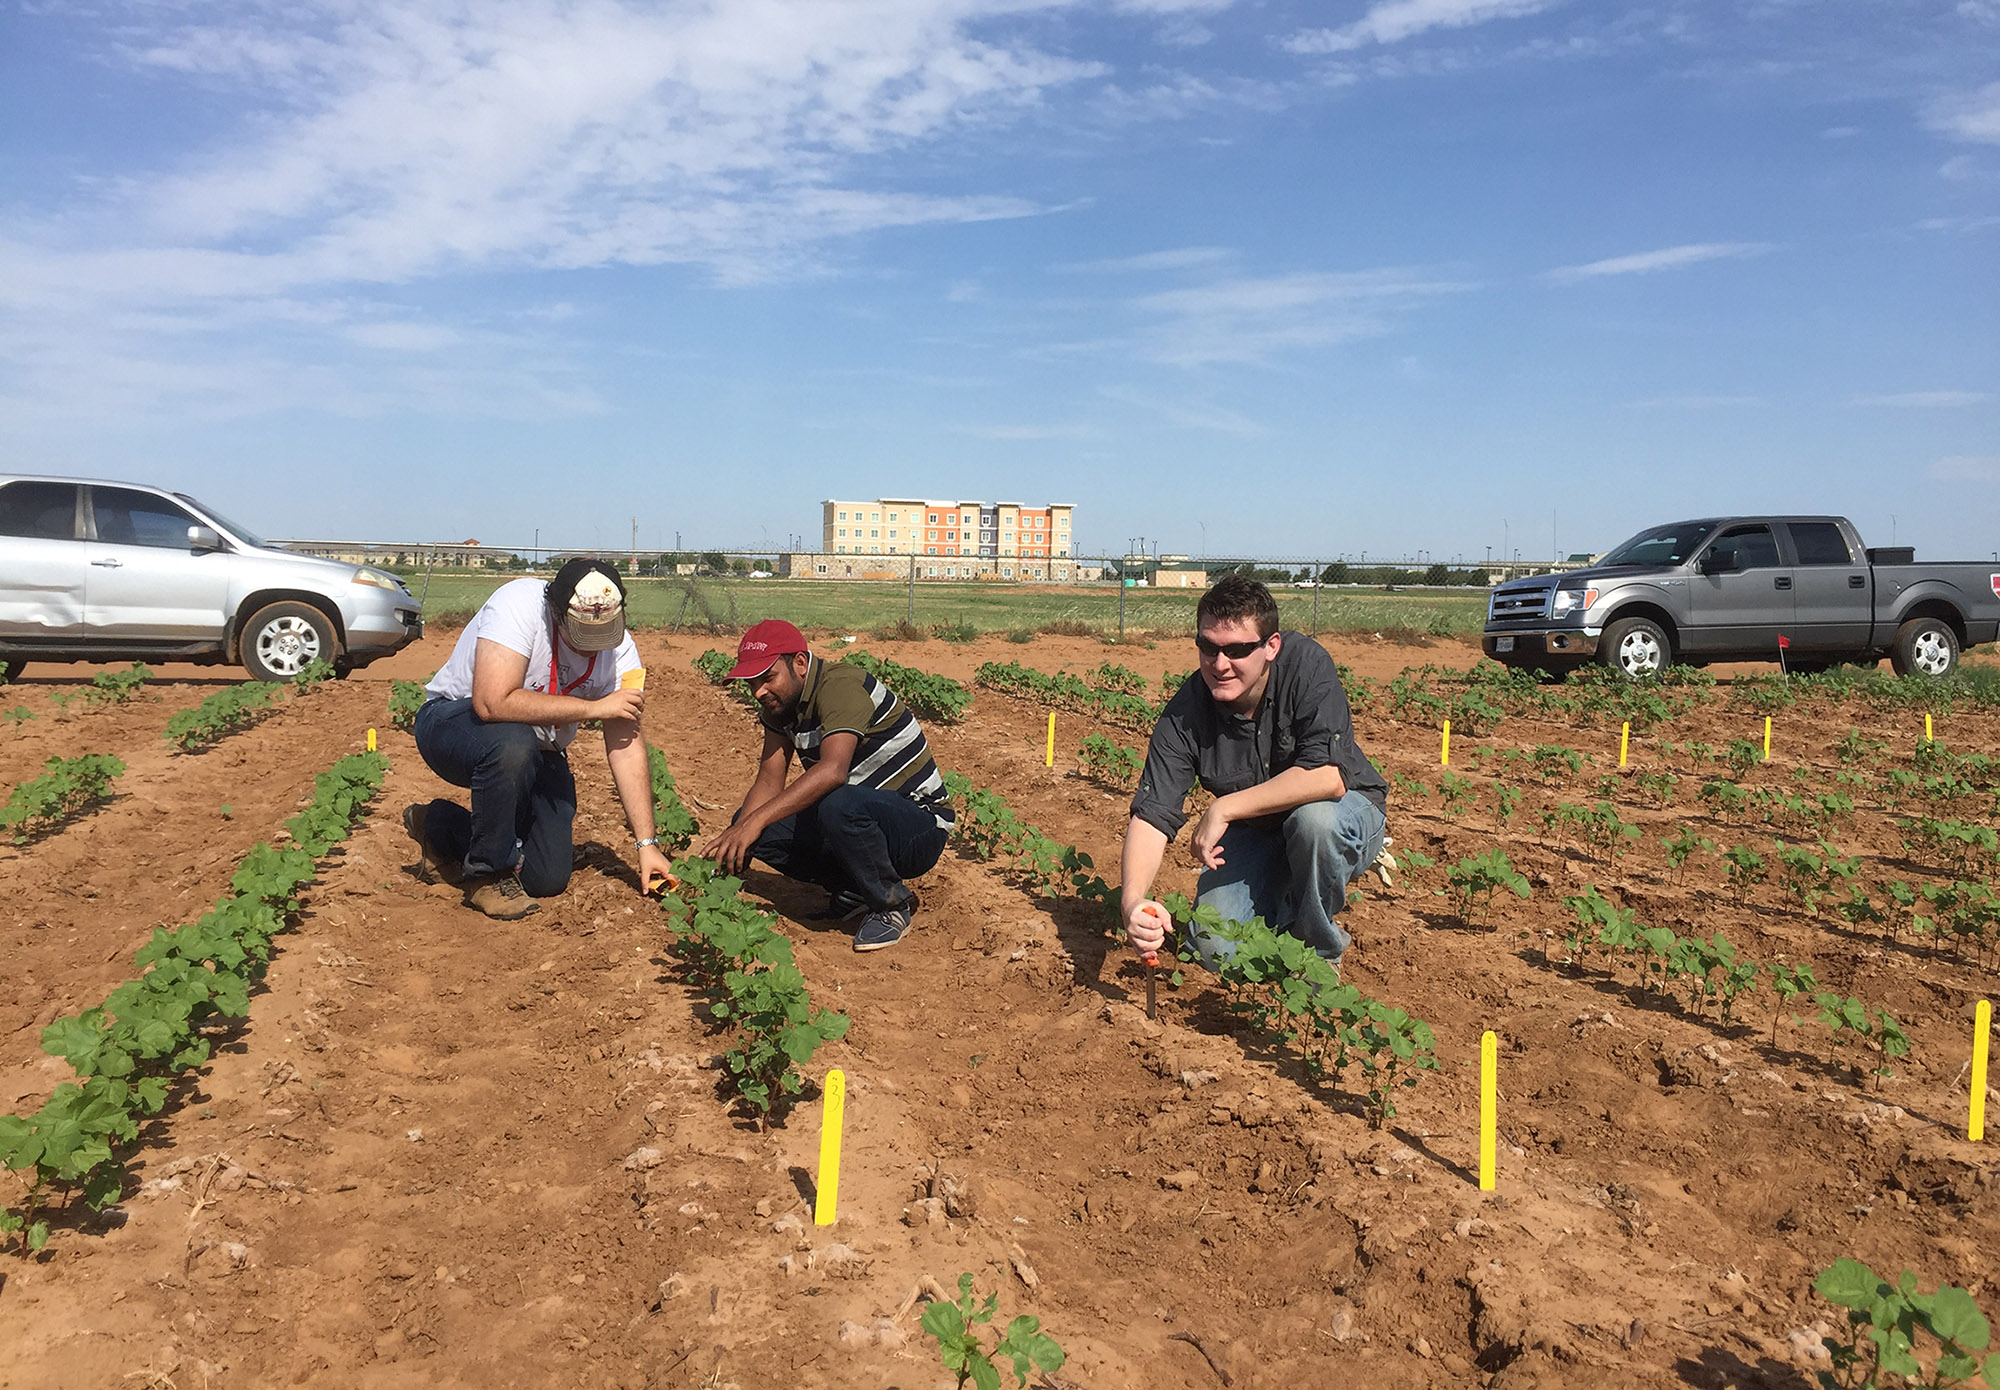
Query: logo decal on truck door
pixel 1996 585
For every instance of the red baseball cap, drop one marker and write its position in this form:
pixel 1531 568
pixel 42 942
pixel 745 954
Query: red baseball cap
pixel 762 645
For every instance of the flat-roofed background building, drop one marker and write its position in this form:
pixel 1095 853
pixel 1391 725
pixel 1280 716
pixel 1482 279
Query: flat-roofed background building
pixel 918 526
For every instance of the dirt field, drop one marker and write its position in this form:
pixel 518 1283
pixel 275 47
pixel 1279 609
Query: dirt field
pixel 414 1166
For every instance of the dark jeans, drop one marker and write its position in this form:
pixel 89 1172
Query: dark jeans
pixel 523 797
pixel 856 838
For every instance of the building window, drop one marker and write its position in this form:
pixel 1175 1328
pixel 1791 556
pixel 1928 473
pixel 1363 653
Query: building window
pixel 843 516
pixel 892 533
pixel 840 550
pixel 950 572
pixel 1063 524
pixel 933 518
pixel 874 550
pixel 874 535
pixel 819 569
pixel 874 516
pixel 932 572
pixel 1006 571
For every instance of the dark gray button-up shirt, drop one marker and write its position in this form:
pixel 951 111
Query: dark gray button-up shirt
pixel 1303 722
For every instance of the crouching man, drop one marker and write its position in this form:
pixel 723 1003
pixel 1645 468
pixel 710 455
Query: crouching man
pixel 1298 811
pixel 869 808
pixel 535 661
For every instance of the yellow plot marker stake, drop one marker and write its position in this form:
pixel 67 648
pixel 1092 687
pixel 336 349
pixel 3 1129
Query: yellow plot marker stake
pixel 1489 1065
pixel 371 740
pixel 829 1147
pixel 1444 747
pixel 1927 728
pixel 1050 760
pixel 1624 741
pixel 1767 738
pixel 1982 1030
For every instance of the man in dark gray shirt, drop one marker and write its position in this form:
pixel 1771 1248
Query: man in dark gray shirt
pixel 1299 811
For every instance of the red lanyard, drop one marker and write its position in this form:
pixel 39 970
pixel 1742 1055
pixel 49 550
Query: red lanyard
pixel 555 689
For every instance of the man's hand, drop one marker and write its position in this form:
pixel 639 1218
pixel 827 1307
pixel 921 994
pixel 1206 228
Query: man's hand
pixel 1146 927
pixel 731 849
pixel 619 704
pixel 653 865
pixel 1208 834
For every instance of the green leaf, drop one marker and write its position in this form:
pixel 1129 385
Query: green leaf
pixel 1848 1283
pixel 38 1236
pixel 1956 1318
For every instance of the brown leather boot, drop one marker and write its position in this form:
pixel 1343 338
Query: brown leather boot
pixel 500 896
pixel 433 867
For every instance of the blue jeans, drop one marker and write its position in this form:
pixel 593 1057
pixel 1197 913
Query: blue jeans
pixel 1292 871
pixel 861 839
pixel 523 797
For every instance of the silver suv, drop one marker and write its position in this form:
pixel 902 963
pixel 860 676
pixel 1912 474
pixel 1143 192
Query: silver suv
pixel 99 571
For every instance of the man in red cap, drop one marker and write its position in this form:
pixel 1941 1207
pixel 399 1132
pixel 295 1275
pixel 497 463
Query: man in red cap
pixel 498 719
pixel 868 809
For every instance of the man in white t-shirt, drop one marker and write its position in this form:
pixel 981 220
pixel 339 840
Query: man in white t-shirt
pixel 535 661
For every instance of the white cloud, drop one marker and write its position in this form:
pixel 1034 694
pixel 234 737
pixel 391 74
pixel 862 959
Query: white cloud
pixel 1971 116
pixel 382 142
pixel 1256 320
pixel 1696 402
pixel 1925 400
pixel 1667 258
pixel 1395 20
pixel 1967 468
pixel 1186 414
pixel 1181 258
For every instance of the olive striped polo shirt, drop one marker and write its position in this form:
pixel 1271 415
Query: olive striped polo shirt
pixel 893 754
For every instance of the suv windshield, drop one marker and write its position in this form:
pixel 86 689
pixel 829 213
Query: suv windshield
pixel 1663 545
pixel 242 533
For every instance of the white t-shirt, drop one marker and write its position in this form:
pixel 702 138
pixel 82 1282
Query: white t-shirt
pixel 517 616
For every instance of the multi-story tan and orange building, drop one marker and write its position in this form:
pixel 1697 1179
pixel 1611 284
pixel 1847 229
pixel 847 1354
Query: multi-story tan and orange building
pixel 916 526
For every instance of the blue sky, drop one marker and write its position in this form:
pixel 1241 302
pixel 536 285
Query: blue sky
pixel 1277 278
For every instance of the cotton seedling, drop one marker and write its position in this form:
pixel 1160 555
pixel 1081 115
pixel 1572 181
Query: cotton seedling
pixel 1605 827
pixel 150 1029
pixel 1850 1017
pixel 1458 792
pixel 1552 760
pixel 1659 786
pixel 1724 796
pixel 1681 847
pixel 1741 755
pixel 1106 760
pixel 1599 922
pixel 1506 801
pixel 1410 786
pixel 1884 1320
pixel 1474 879
pixel 118 687
pixel 312 676
pixel 673 823
pixel 1802 874
pixel 221 714
pixel 954 1327
pixel 1388 1044
pixel 928 696
pixel 66 788
pixel 18 715
pixel 1746 866
pixel 405 699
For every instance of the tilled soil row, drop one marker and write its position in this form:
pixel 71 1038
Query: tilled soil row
pixel 80 901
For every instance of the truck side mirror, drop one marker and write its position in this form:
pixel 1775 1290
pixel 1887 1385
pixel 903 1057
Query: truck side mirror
pixel 1719 562
pixel 203 538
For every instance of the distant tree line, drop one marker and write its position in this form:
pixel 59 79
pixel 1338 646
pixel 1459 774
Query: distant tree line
pixel 1380 576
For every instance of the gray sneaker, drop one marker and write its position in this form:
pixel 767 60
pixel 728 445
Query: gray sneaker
pixel 885 927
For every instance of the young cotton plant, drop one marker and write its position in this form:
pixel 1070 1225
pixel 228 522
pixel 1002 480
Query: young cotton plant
pixel 1474 880
pixel 1108 761
pixel 1885 1319
pixel 954 1327
pixel 66 788
pixel 405 699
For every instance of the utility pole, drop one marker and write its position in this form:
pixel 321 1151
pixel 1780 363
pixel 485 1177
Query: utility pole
pixel 634 567
pixel 911 614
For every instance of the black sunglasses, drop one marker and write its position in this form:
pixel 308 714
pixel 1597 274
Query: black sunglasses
pixel 1235 651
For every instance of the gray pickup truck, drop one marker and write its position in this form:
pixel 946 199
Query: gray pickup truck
pixel 1746 588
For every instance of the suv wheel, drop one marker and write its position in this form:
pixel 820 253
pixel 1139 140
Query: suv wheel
pixel 282 639
pixel 1924 647
pixel 1636 646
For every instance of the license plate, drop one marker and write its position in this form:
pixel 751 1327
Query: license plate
pixel 1503 644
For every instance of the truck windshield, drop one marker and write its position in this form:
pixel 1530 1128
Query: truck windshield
pixel 1663 545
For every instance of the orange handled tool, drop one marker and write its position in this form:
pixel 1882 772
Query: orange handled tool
pixel 1152 959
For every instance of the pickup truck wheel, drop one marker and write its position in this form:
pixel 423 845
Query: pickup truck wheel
pixel 282 639
pixel 1924 647
pixel 1637 646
